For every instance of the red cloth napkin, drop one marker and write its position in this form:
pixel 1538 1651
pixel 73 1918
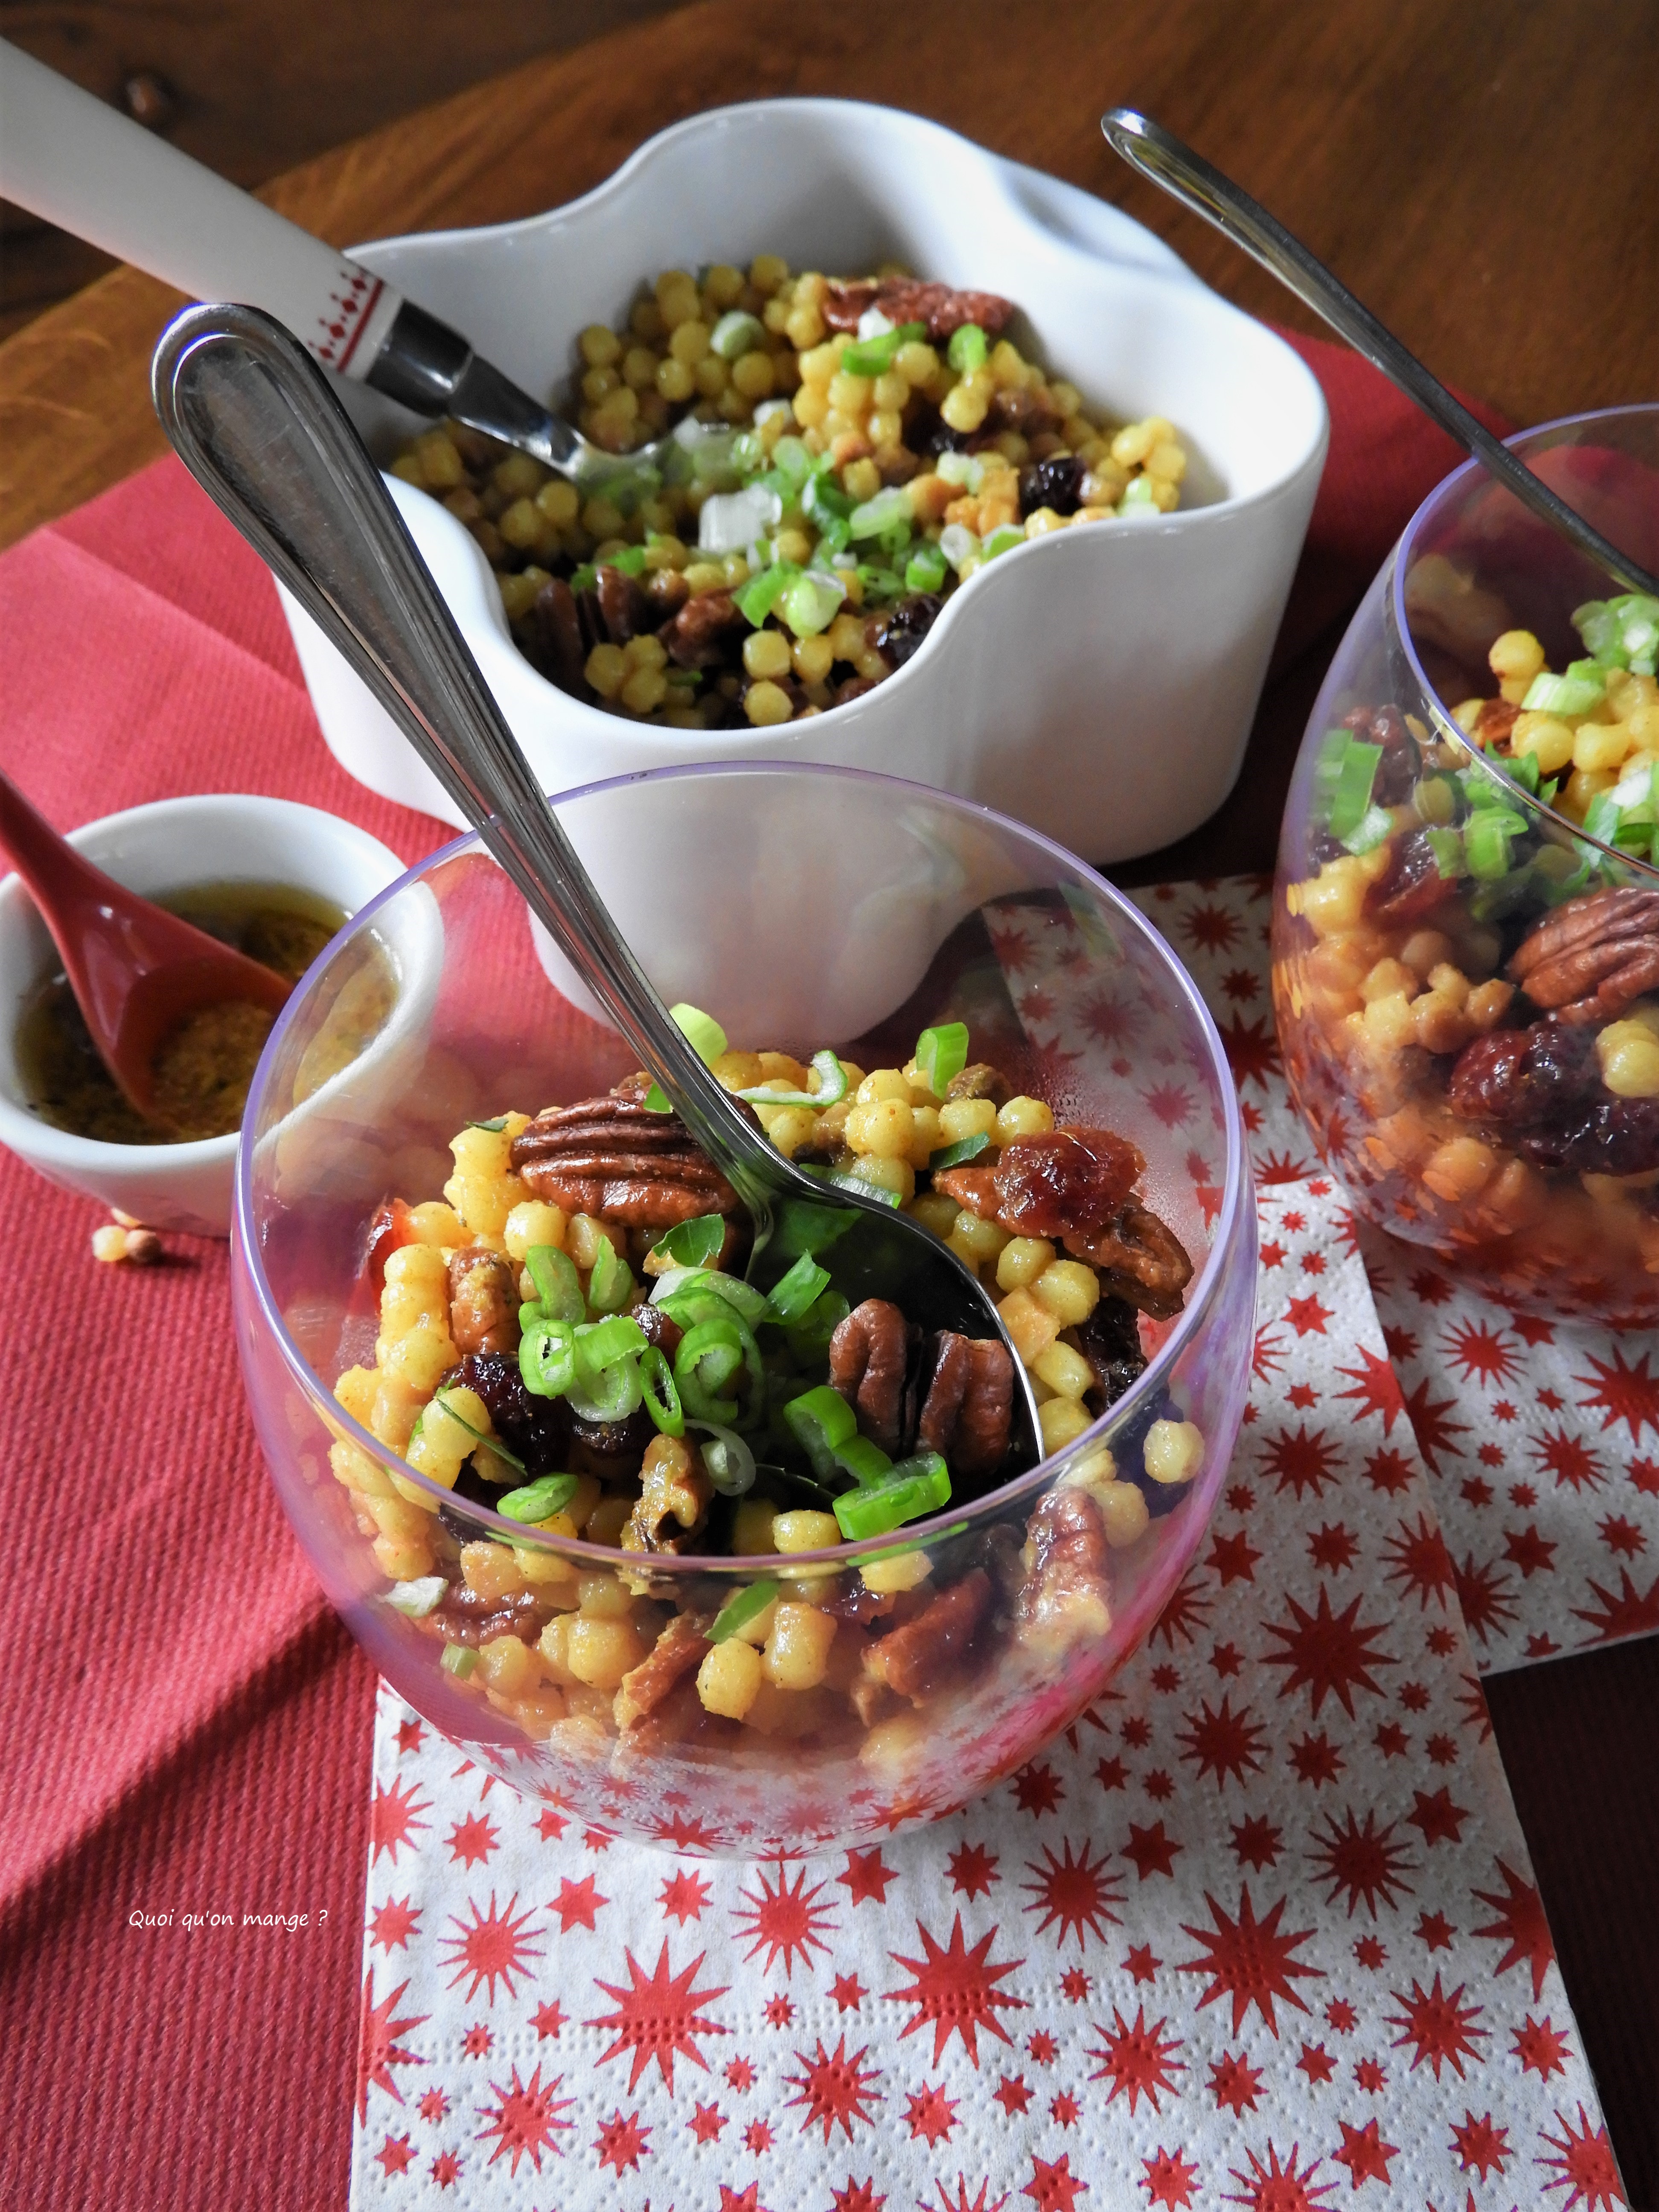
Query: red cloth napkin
pixel 188 1729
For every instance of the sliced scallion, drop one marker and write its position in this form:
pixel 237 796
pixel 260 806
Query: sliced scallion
pixel 741 1607
pixel 558 1286
pixel 797 1290
pixel 809 1339
pixel 1447 845
pixel 611 1283
pixel 958 1155
pixel 832 1087
pixel 492 1129
pixel 941 1054
pixel 660 1393
pixel 695 1244
pixel 960 469
pixel 958 545
pixel 706 1038
pixel 459 1660
pixel 811 602
pixel 1563 695
pixel 821 1423
pixel 540 1500
pixel 914 1487
pixel 547 1356
pixel 967 350
pixel 926 569
pixel 1355 778
pixel 889 506
pixel 727 1459
pixel 417 1599
pixel 873 356
pixel 756 599
pixel 1003 540
pixel 736 334
pixel 1486 838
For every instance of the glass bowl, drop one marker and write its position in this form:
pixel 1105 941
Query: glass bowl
pixel 1464 966
pixel 798 905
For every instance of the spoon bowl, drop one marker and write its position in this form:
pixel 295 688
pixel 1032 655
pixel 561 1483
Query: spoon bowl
pixel 256 423
pixel 136 970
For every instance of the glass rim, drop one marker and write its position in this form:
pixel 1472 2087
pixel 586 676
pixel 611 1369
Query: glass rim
pixel 1449 489
pixel 1237 1193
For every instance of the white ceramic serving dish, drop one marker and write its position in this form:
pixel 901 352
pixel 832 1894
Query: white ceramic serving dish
pixel 221 837
pixel 1098 683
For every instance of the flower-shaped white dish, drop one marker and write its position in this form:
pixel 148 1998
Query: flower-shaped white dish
pixel 1097 683
pixel 171 845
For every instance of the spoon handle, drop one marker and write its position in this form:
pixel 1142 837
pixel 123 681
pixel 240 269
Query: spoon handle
pixel 255 423
pixel 1186 176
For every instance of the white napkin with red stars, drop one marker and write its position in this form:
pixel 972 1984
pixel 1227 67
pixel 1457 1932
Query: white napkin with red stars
pixel 1541 1439
pixel 1259 1930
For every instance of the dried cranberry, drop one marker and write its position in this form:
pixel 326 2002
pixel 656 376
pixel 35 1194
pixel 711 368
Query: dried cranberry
pixel 1109 1339
pixel 534 1430
pixel 391 1227
pixel 1486 1083
pixel 624 610
pixel 551 638
pixel 1543 1086
pixel 1411 887
pixel 656 1326
pixel 900 632
pixel 1055 483
pixel 1069 1180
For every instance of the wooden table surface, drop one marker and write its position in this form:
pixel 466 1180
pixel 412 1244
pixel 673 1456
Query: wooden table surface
pixel 1484 178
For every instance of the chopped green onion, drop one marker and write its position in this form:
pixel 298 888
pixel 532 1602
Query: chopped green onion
pixel 1375 827
pixel 958 545
pixel 736 334
pixel 1137 499
pixel 494 1128
pixel 866 1463
pixel 793 460
pixel 459 1660
pixel 864 1183
pixel 823 500
pixel 1563 695
pixel 941 1054
pixel 811 602
pixel 916 1487
pixel 539 1500
pixel 584 579
pixel 879 583
pixel 1486 838
pixel 810 1338
pixel 803 1227
pixel 1447 845
pixel 610 1283
pixel 890 505
pixel 821 1423
pixel 657 1387
pixel 631 561
pixel 873 356
pixel 707 1357
pixel 798 1291
pixel 967 350
pixel 926 569
pixel 832 1087
pixel 1355 777
pixel 695 1244
pixel 558 1286
pixel 706 1038
pixel 547 1356
pixel 417 1599
pixel 743 1606
pixel 601 1344
pixel 492 1443
pixel 1003 540
pixel 957 1155
pixel 1621 632
pixel 757 598
pixel 609 1392
pixel 707 1288
pixel 960 469
pixel 728 1461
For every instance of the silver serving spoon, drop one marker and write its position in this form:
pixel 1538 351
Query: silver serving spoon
pixel 255 423
pixel 1186 177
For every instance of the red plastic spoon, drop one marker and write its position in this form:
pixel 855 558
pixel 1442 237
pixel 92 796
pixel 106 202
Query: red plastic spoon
pixel 137 971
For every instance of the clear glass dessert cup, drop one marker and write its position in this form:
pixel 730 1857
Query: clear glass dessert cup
pixel 1466 970
pixel 800 906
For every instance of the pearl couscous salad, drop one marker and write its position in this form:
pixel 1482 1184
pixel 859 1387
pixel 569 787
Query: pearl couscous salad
pixel 568 1338
pixel 845 454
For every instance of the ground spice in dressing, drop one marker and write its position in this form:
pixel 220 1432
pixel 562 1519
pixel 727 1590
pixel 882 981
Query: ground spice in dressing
pixel 204 1066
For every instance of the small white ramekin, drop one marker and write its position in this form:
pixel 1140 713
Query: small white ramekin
pixel 1097 683
pixel 221 838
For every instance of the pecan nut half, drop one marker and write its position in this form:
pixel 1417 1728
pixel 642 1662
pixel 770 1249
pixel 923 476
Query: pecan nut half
pixel 1140 1259
pixel 614 1158
pixel 910 299
pixel 1067 1595
pixel 1591 958
pixel 918 1660
pixel 869 1355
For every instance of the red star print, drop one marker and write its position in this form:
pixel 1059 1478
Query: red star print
pixel 931 2114
pixel 1483 1594
pixel 1586 2165
pixel 1331 1547
pixel 472 1840
pixel 1480 1352
pixel 1439 2024
pixel 657 2016
pixel 706 2122
pixel 1012 2095
pixel 1302 1462
pixel 1419 1564
pixel 577 1903
pixel 378 2048
pixel 410 1735
pixel 1063 2109
pixel 731 2202
pixel 1302 1396
pixel 1388 1472
pixel 1256 1843
pixel 1369 1952
pixel 834 2088
pixel 1308 1316
pixel 682 1898
pixel 784 1921
pixel 1250 1960
pixel 1276 2188
pixel 1437 1819
pixel 1644 1476
pixel 1272 1253
pixel 1235 2084
pixel 1391 1739
pixel 1362 1861
pixel 551 1825
pixel 445 2169
pixel 393 1820
pixel 1433 1431
pixel 1150 1850
pixel 621 2142
pixel 778 2012
pixel 1110 1773
pixel 1365 2154
pixel 1521 1924
pixel 849 1992
pixel 1341 2015
pixel 1631 1611
pixel 1226 1661
pixel 1074 1984
pixel 867 1876
pixel 1159 1786
pixel 395 2155
pixel 1042 2047
pixel 857 2197
pixel 1368 2075
pixel 1568 1460
pixel 1137 2060
pixel 490 1947
pixel 548 2019
pixel 1054 2188
pixel 1170 2180
pixel 1328 1653
pixel 1621 1537
pixel 1541 2048
pixel 1233 1558
pixel 955 1990
pixel 739 2073
pixel 1317 2063
pixel 1526 1549
pixel 1187 1608
pixel 757 2137
pixel 1481 2147
pixel 1316 1759
pixel 1140 1965
pixel 1376 1389
pixel 477 2042
pixel 1622 1393
pixel 525 2120
pixel 392 1923
pixel 1073 1894
pixel 972 1869
pixel 433 2107
pixel 1037 1790
pixel 1434 1932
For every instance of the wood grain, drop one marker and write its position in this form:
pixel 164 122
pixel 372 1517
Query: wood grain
pixel 1483 179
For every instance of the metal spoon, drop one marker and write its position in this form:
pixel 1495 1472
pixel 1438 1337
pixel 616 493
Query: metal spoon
pixel 1186 177
pixel 255 423
pixel 136 970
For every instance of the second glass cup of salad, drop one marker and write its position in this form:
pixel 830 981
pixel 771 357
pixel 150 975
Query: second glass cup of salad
pixel 1466 934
